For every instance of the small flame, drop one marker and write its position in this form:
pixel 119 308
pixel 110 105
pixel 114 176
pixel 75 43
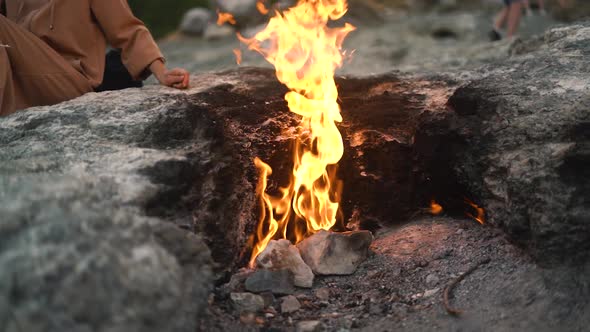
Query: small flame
pixel 261 7
pixel 223 18
pixel 480 218
pixel 306 53
pixel 238 55
pixel 435 208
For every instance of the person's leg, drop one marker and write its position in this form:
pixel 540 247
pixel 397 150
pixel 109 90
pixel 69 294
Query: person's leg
pixel 40 76
pixel 501 19
pixel 514 14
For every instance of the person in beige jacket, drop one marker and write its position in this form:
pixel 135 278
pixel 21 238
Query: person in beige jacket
pixel 54 50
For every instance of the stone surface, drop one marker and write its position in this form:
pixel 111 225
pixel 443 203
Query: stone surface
pixel 195 22
pixel 74 260
pixel 329 253
pixel 281 254
pixel 277 281
pixel 290 304
pixel 247 302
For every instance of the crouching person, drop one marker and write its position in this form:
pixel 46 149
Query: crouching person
pixel 54 50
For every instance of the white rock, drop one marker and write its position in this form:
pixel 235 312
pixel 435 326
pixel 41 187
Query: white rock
pixel 282 254
pixel 329 253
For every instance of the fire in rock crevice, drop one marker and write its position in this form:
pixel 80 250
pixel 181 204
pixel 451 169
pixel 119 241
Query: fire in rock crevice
pixel 305 53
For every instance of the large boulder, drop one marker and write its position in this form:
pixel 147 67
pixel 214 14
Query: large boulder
pixel 83 246
pixel 525 151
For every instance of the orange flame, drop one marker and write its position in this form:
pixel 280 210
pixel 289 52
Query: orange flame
pixel 435 208
pixel 238 55
pixel 305 53
pixel 480 218
pixel 261 8
pixel 223 18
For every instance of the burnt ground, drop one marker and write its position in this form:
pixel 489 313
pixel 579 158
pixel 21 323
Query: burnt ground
pixel 400 287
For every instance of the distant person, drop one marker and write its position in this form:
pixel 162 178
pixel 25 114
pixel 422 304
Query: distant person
pixel 510 16
pixel 54 50
pixel 540 3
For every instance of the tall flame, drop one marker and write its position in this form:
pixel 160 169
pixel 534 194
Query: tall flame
pixel 305 53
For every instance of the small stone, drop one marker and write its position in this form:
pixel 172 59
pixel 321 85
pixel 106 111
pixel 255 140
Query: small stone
pixel 430 292
pixel 247 302
pixel 432 279
pixel 290 304
pixel 278 282
pixel 309 326
pixel 323 294
pixel 282 254
pixel 329 253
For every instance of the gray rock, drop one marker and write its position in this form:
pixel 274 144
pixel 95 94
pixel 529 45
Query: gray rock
pixel 309 326
pixel 277 281
pixel 195 22
pixel 282 254
pixel 329 253
pixel 290 304
pixel 247 302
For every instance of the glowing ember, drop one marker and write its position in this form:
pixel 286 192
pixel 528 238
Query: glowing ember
pixel 480 218
pixel 305 53
pixel 435 208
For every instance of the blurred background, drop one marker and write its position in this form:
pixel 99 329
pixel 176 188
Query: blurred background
pixel 392 34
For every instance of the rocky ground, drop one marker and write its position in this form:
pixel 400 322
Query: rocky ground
pixel 131 210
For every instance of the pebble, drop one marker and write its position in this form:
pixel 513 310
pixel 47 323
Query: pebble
pixel 309 326
pixel 247 302
pixel 323 294
pixel 290 304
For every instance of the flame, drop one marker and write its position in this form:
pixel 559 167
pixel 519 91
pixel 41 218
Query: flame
pixel 238 55
pixel 480 218
pixel 435 208
pixel 261 7
pixel 305 53
pixel 223 18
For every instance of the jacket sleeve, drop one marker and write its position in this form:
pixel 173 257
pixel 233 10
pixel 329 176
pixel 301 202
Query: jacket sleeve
pixel 126 32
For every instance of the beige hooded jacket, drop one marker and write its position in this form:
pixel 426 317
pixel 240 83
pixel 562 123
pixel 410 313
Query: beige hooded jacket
pixel 79 30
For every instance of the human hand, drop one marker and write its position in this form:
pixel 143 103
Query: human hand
pixel 177 78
